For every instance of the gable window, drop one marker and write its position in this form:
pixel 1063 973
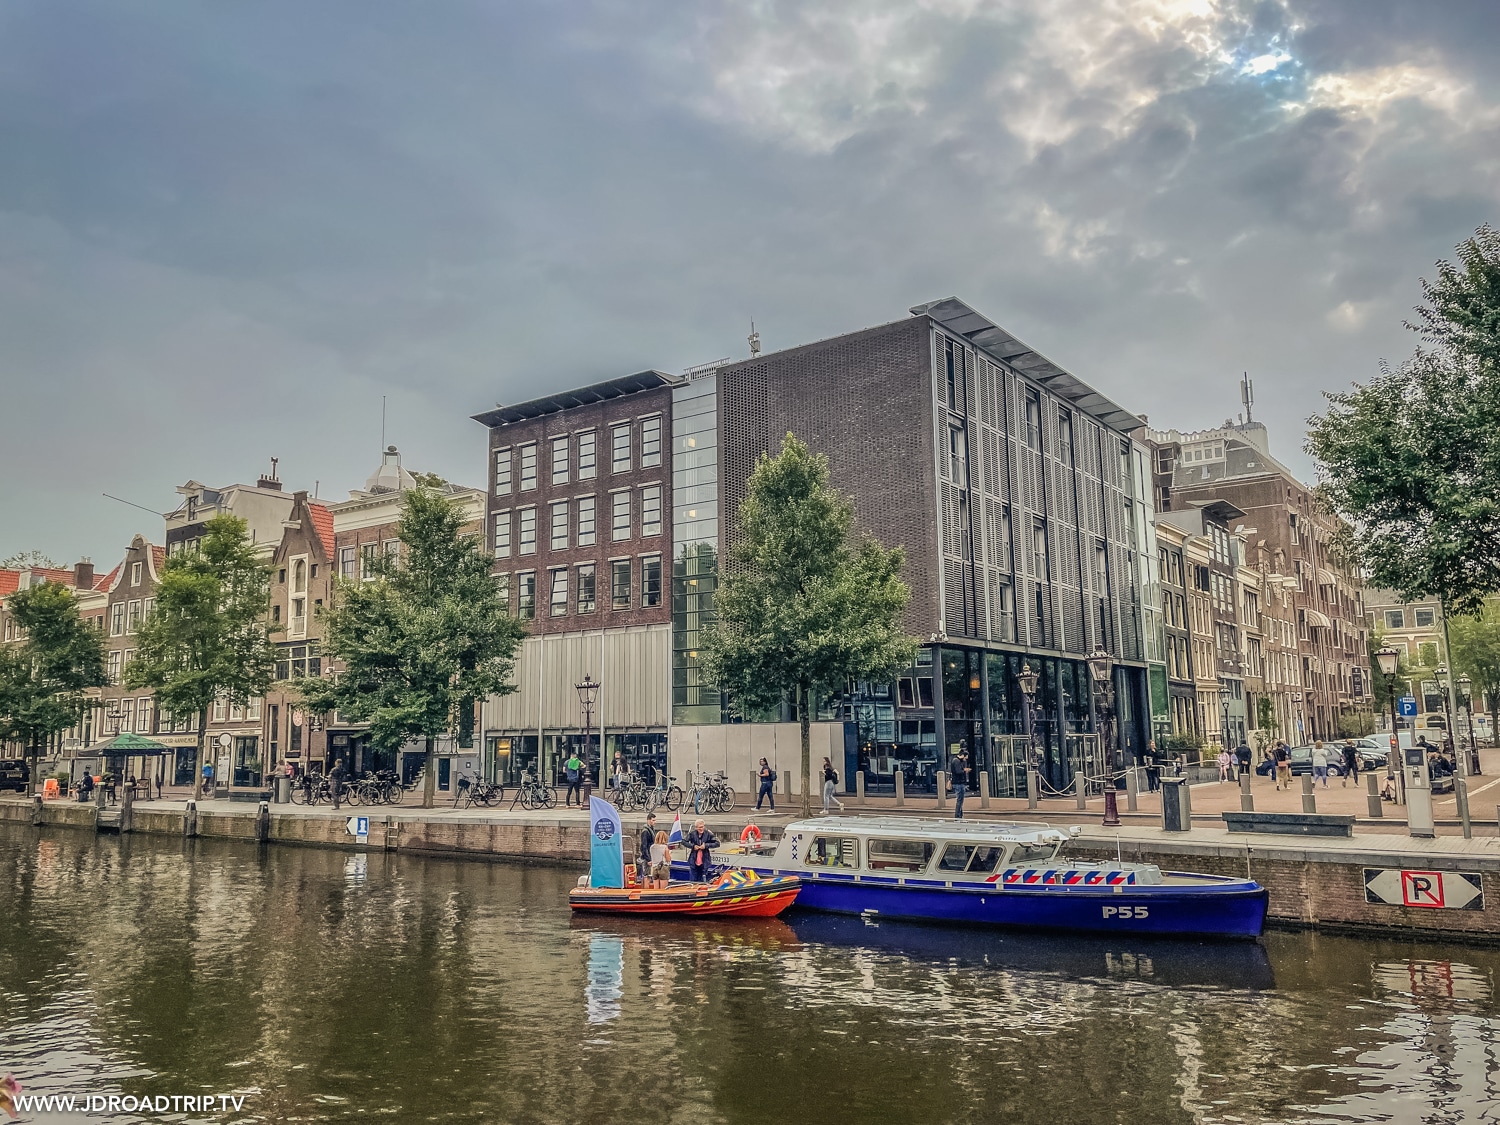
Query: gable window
pixel 651 441
pixel 585 521
pixel 299 576
pixel 651 510
pixel 528 531
pixel 560 460
pixel 586 462
pixel 620 515
pixel 528 466
pixel 502 471
pixel 619 580
pixel 502 535
pixel 586 588
pixel 135 574
pixel 558 602
pixel 619 442
pixel 559 540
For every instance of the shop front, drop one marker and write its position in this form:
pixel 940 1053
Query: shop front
pixel 509 756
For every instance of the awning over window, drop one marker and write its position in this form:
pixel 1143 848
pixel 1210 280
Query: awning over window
pixel 1318 620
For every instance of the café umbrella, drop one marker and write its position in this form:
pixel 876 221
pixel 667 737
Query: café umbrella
pixel 129 745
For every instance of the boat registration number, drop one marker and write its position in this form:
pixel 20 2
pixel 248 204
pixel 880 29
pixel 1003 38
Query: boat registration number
pixel 1122 912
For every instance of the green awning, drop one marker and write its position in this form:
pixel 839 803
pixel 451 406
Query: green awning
pixel 128 744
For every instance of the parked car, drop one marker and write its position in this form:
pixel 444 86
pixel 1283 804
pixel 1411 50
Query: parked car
pixel 14 774
pixel 1302 761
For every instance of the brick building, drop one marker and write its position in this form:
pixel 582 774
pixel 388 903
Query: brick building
pixel 1182 707
pixel 579 522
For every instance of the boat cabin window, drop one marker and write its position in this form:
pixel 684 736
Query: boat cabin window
pixel 898 855
pixel 1032 853
pixel 976 860
pixel 833 851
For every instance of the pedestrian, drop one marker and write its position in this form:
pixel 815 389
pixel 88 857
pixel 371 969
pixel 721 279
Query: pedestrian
pixel 1351 763
pixel 1242 757
pixel 1226 764
pixel 208 778
pixel 1153 767
pixel 620 778
pixel 573 770
pixel 830 780
pixel 700 842
pixel 767 785
pixel 1320 762
pixel 643 846
pixel 958 769
pixel 1283 765
pixel 661 862
pixel 336 781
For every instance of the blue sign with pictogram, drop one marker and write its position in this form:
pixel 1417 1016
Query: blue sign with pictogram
pixel 1406 706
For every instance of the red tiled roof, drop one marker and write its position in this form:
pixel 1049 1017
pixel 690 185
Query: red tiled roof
pixel 108 580
pixel 10 582
pixel 61 575
pixel 158 556
pixel 322 521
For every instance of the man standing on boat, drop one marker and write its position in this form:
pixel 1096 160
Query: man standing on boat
pixel 958 768
pixel 643 846
pixel 699 842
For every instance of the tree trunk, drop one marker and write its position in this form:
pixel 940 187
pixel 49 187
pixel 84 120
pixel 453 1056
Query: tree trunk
pixel 429 783
pixel 33 756
pixel 1495 725
pixel 804 721
pixel 198 754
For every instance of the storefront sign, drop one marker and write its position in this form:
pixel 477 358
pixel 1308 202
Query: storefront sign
pixel 1432 890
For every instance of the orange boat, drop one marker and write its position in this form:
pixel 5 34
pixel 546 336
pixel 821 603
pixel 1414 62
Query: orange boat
pixel 740 894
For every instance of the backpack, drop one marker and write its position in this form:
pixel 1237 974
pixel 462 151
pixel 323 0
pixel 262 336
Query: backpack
pixel 772 777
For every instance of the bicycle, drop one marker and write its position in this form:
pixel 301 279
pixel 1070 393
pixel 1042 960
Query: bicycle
pixel 670 795
pixel 476 790
pixel 713 794
pixel 534 795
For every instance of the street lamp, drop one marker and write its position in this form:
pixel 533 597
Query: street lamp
pixel 1390 661
pixel 588 691
pixel 1466 700
pixel 1442 674
pixel 1027 680
pixel 1101 668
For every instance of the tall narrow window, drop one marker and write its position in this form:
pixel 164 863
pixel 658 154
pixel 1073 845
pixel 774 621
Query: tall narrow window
pixel 619 581
pixel 133 625
pixel 367 555
pixel 560 460
pixel 586 588
pixel 585 521
pixel 117 619
pixel 502 535
pixel 528 467
pixel 1065 435
pixel 299 576
pixel 620 515
pixel 526 596
pixel 651 580
pixel 558 602
pixel 559 539
pixel 1033 421
pixel 348 568
pixel 528 531
pixel 651 441
pixel 502 588
pixel 619 444
pixel 651 510
pixel 135 574
pixel 502 471
pixel 586 462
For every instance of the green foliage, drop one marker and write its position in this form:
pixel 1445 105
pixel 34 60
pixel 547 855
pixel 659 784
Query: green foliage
pixel 44 680
pixel 1182 743
pixel 1380 682
pixel 1356 724
pixel 1476 653
pixel 22 559
pixel 801 608
pixel 207 636
pixel 1412 459
pixel 428 636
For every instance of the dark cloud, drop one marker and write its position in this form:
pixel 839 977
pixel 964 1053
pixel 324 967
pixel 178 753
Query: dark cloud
pixel 226 232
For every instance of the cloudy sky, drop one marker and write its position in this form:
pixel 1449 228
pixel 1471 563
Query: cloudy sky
pixel 227 230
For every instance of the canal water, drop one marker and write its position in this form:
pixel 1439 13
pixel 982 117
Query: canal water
pixel 324 986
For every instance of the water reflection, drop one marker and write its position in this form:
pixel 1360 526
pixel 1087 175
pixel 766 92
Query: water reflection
pixel 335 986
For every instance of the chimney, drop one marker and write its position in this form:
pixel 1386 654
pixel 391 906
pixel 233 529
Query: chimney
pixel 272 481
pixel 83 575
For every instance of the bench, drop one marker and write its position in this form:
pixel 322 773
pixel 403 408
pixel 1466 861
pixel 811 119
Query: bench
pixel 1290 824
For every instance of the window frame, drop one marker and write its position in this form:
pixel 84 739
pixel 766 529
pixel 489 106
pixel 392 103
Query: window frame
pixel 648 562
pixel 524 524
pixel 650 451
pixel 555 509
pixel 617 444
pixel 587 574
pixel 650 492
pixel 615 585
pixel 557 583
pixel 528 464
pixel 587 538
pixel 619 533
pixel 588 463
pixel 562 474
pixel 504 481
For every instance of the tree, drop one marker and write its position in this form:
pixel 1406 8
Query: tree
pixel 45 679
pixel 1411 460
pixel 801 609
pixel 1475 652
pixel 208 636
pixel 1380 683
pixel 22 559
pixel 425 639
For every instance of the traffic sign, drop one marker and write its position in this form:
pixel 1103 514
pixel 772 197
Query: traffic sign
pixel 1406 706
pixel 358 826
pixel 1439 890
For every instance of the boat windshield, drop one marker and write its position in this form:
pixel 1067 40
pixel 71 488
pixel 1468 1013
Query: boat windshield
pixel 898 855
pixel 833 851
pixel 976 860
pixel 1032 853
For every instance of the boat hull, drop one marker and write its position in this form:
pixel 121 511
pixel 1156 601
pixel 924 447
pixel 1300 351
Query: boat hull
pixel 1226 908
pixel 762 898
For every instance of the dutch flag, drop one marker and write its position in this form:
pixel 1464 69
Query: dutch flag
pixel 674 837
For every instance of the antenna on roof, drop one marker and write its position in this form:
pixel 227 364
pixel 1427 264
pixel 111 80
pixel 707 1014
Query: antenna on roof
pixel 1247 394
pixel 754 339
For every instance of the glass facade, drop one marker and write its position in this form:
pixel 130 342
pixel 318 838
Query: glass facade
pixel 695 534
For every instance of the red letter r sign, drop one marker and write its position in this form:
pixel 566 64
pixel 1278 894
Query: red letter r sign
pixel 1422 888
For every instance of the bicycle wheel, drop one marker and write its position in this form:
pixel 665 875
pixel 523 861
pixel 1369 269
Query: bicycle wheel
pixel 493 795
pixel 549 797
pixel 726 799
pixel 528 798
pixel 299 794
pixel 651 800
pixel 673 798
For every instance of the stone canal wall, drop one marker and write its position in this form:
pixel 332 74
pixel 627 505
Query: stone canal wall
pixel 1311 883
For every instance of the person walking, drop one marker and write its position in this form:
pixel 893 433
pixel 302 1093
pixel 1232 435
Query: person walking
pixel 1320 762
pixel 1226 764
pixel 643 847
pixel 766 792
pixel 1283 765
pixel 573 771
pixel 958 770
pixel 336 782
pixel 1242 757
pixel 830 781
pixel 1153 767
pixel 1351 763
pixel 700 842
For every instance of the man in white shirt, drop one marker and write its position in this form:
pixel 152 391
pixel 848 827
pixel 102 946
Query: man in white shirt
pixel 1320 763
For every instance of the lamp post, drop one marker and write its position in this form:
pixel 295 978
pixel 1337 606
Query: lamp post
pixel 1466 700
pixel 1101 668
pixel 1026 680
pixel 1441 673
pixel 588 691
pixel 1390 662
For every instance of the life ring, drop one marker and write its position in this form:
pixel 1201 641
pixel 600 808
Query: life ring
pixel 750 834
